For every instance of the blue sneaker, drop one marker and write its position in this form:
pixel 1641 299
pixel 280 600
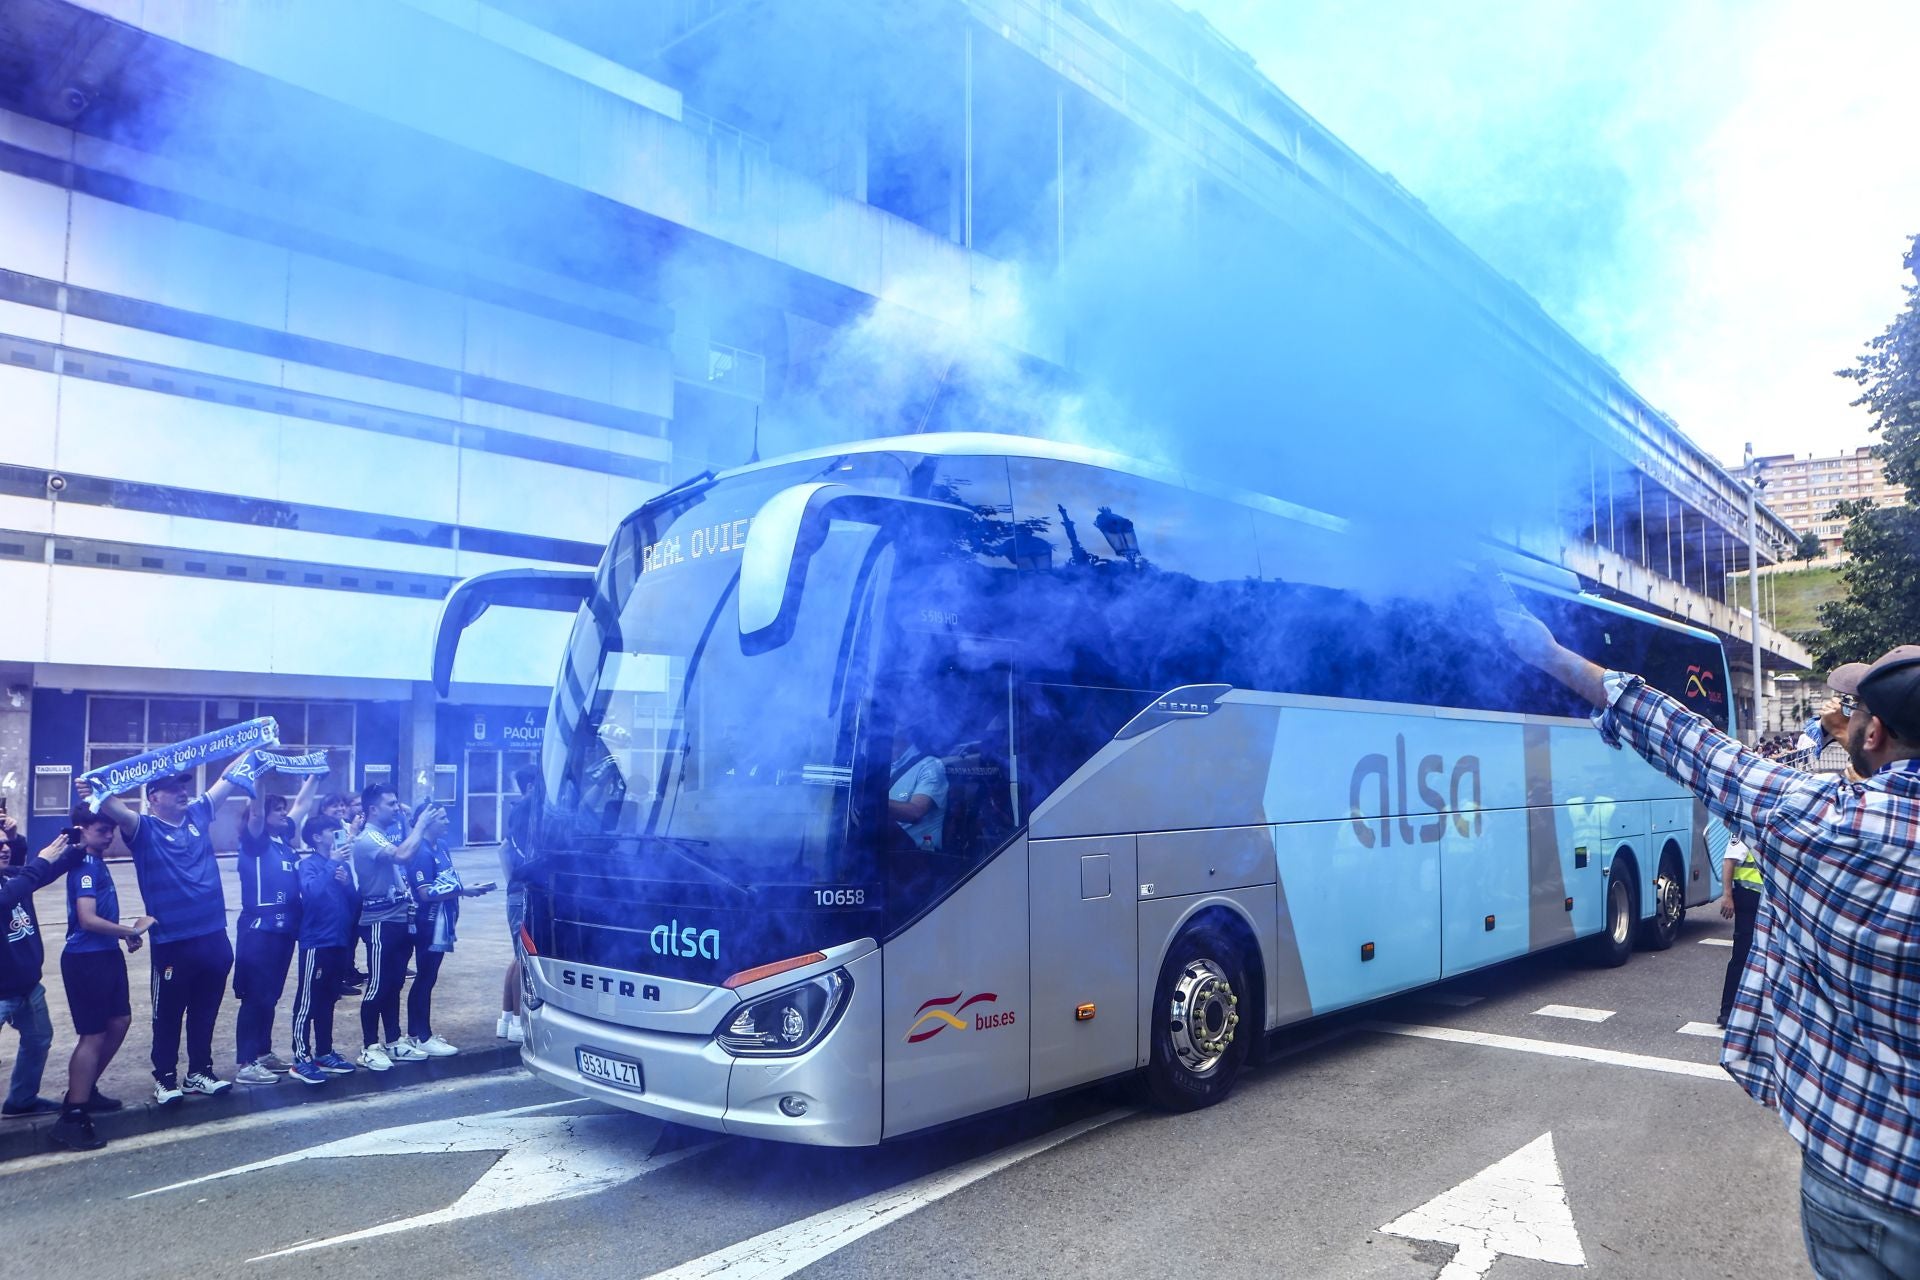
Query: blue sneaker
pixel 334 1065
pixel 307 1072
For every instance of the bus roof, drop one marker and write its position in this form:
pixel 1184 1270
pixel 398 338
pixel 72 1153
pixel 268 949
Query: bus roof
pixel 1540 574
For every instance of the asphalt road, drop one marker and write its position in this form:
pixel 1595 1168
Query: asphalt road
pixel 1654 1165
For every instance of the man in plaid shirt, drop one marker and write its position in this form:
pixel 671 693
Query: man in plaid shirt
pixel 1826 1025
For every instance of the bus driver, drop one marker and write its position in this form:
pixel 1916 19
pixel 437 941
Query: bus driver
pixel 917 791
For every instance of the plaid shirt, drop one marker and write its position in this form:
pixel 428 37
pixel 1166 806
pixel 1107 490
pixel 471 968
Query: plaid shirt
pixel 1827 1022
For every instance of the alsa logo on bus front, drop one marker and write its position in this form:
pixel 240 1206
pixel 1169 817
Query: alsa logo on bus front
pixel 1700 684
pixel 673 939
pixel 1380 786
pixel 936 1015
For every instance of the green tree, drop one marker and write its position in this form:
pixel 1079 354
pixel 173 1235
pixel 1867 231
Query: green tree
pixel 1882 577
pixel 1808 548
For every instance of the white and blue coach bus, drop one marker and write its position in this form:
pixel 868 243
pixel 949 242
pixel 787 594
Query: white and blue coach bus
pixel 1193 789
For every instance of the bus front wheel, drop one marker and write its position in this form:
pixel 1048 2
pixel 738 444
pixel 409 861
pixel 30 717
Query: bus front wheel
pixel 1203 1022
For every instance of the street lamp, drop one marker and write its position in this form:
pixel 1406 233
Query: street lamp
pixel 1753 582
pixel 1118 531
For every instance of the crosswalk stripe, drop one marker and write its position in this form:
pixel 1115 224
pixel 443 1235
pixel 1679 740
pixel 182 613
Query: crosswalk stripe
pixel 785 1250
pixel 1716 942
pixel 1573 1012
pixel 1554 1049
pixel 1705 1030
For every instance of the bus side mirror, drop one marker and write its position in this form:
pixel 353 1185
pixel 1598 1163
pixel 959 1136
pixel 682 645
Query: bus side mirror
pixel 789 528
pixel 560 590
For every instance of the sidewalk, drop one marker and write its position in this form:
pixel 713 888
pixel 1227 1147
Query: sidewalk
pixel 466 1005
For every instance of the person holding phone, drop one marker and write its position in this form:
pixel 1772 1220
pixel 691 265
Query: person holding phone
pixel 269 876
pixel 381 853
pixel 437 890
pixel 94 973
pixel 328 900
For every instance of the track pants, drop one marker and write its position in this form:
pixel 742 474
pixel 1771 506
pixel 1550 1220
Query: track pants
pixel 426 972
pixel 259 977
pixel 389 945
pixel 189 979
pixel 316 987
pixel 1746 908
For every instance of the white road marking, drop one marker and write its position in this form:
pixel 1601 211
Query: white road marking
pixel 1554 1049
pixel 542 1159
pixel 785 1250
pixel 1574 1012
pixel 1453 999
pixel 1517 1206
pixel 1716 942
pixel 302 1114
pixel 1705 1029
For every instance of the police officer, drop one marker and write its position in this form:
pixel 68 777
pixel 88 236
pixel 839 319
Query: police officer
pixel 269 925
pixel 1740 903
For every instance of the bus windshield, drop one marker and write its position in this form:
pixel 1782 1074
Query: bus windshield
pixel 680 754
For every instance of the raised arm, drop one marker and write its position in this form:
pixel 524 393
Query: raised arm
pixel 303 800
pixel 38 873
pixel 223 785
pixel 113 809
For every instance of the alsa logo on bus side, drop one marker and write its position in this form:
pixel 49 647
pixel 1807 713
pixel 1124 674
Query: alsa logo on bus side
pixel 1700 684
pixel 609 986
pixel 671 939
pixel 935 1016
pixel 1379 788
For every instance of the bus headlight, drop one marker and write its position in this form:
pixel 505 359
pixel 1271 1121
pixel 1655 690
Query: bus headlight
pixel 787 1022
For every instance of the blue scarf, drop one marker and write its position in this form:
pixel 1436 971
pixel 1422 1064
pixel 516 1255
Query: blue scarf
pixel 164 762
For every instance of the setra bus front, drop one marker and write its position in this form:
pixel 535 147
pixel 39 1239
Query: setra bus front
pixel 704 895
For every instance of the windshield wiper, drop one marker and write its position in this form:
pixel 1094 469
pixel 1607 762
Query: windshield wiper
pixel 678 846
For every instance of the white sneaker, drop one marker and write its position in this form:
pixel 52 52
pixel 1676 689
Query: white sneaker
pixel 374 1058
pixel 516 1030
pixel 206 1086
pixel 500 1026
pixel 254 1073
pixel 406 1050
pixel 435 1047
pixel 163 1093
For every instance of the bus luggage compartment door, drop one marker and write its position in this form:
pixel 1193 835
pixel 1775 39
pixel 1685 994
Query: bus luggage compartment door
pixel 1081 900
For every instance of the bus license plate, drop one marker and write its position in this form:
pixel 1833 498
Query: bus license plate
pixel 599 1066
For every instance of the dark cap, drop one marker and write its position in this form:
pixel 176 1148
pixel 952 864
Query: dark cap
pixel 171 782
pixel 1890 686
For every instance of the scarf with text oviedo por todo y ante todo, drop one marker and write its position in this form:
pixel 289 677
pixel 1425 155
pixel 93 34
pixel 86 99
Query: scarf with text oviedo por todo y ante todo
pixel 162 762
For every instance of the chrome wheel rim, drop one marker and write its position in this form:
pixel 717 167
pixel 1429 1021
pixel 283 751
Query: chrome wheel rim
pixel 1204 1013
pixel 1620 908
pixel 1667 893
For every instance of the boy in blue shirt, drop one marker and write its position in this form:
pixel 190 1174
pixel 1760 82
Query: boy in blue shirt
pixel 327 902
pixel 94 973
pixel 172 846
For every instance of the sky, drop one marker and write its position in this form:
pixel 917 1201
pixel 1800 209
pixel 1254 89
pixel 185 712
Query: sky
pixel 1713 195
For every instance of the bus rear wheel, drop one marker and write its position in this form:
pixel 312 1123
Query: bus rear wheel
pixel 1202 1025
pixel 1613 945
pixel 1662 928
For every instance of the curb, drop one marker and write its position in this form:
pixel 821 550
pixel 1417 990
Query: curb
pixel 29 1137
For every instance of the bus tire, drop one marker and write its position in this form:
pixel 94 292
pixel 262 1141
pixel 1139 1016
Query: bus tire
pixel 1659 930
pixel 1203 1021
pixel 1613 945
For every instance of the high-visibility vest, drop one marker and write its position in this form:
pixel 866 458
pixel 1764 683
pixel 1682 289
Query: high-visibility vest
pixel 1748 872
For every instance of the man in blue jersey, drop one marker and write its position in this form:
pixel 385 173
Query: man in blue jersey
pixel 172 846
pixel 269 924
pixel 23 1001
pixel 94 974
pixel 328 903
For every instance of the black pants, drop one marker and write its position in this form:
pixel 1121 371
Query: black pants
pixel 1746 908
pixel 426 971
pixel 321 971
pixel 189 979
pixel 389 944
pixel 259 977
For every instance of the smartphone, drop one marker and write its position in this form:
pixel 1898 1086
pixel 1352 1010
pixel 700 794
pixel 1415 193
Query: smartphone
pixel 485 886
pixel 3 804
